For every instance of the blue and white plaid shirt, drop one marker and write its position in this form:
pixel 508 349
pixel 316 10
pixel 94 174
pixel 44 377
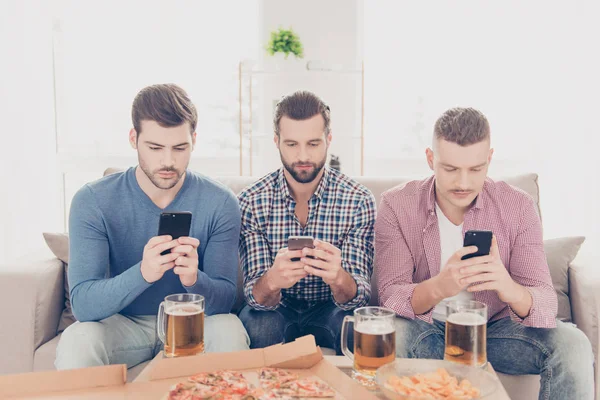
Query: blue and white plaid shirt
pixel 340 212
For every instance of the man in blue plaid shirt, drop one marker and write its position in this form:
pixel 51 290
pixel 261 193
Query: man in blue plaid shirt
pixel 294 293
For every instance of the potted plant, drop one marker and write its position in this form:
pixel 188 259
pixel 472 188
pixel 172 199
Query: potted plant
pixel 284 42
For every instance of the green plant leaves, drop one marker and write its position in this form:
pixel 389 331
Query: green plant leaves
pixel 285 41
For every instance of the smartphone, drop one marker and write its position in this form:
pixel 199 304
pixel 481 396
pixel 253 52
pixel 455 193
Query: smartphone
pixel 481 239
pixel 176 224
pixel 300 242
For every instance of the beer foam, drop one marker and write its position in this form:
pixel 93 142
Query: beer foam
pixel 466 318
pixel 182 310
pixel 375 327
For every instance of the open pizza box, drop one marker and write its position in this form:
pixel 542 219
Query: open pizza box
pixel 302 357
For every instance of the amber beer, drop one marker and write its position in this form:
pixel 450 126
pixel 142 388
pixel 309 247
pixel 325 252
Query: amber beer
pixel 180 324
pixel 374 342
pixel 374 346
pixel 185 330
pixel 466 338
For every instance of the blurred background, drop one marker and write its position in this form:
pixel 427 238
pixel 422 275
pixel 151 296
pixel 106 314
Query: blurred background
pixel 69 71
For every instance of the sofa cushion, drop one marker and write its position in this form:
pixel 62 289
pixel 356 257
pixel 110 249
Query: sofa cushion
pixel 59 244
pixel 560 253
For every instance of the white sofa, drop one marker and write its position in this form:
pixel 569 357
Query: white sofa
pixel 32 294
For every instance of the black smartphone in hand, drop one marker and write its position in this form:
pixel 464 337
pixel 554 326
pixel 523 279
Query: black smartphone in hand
pixel 176 224
pixel 481 239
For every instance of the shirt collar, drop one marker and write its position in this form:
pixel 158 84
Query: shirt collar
pixel 323 183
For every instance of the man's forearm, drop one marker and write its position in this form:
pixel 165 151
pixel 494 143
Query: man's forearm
pixel 264 294
pixel 345 290
pixel 93 300
pixel 425 297
pixel 522 307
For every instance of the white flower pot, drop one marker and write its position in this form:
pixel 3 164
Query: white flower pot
pixel 278 62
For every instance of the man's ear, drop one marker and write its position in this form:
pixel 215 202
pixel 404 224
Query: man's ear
pixel 490 156
pixel 133 136
pixel 329 138
pixel 276 140
pixel 193 140
pixel 429 156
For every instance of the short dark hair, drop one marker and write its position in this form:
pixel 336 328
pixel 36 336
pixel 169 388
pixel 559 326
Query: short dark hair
pixel 167 104
pixel 299 106
pixel 463 126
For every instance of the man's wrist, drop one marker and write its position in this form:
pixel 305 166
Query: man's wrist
pixel 435 290
pixel 340 280
pixel 269 284
pixel 519 292
pixel 193 283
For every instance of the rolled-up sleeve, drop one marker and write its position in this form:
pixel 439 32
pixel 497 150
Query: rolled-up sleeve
pixel 394 264
pixel 357 253
pixel 529 268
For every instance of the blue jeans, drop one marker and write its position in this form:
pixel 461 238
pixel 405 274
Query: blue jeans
pixel 131 340
pixel 562 356
pixel 285 324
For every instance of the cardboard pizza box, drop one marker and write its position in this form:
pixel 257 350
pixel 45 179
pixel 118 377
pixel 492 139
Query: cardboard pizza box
pixel 302 356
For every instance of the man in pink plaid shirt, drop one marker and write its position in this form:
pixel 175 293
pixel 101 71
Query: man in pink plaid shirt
pixel 418 259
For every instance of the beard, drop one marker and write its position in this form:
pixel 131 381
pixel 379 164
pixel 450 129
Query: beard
pixel 159 182
pixel 303 176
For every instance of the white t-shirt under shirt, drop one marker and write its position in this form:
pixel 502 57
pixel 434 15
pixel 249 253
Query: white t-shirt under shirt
pixel 451 239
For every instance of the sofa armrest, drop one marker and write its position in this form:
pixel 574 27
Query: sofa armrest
pixel 32 295
pixel 584 294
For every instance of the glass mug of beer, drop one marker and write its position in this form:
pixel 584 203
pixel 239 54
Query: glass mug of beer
pixel 466 332
pixel 374 341
pixel 180 324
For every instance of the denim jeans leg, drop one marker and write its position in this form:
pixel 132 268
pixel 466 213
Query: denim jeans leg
pixel 324 321
pixel 225 333
pixel 266 328
pixel 562 356
pixel 118 339
pixel 418 339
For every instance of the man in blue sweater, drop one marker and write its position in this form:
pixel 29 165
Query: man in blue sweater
pixel 117 275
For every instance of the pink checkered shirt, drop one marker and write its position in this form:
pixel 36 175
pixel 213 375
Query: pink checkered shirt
pixel 407 247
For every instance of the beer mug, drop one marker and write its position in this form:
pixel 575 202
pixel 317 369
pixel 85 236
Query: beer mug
pixel 180 324
pixel 374 341
pixel 466 332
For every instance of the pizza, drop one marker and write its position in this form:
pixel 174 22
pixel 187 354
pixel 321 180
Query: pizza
pixel 271 378
pixel 274 383
pixel 284 384
pixel 192 391
pixel 220 385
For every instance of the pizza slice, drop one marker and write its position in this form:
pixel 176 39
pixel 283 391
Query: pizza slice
pixel 309 387
pixel 192 391
pixel 270 378
pixel 208 378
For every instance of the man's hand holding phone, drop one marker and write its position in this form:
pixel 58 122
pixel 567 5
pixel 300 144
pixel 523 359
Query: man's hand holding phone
pixel 285 273
pixel 493 275
pixel 154 265
pixel 186 265
pixel 324 261
pixel 449 281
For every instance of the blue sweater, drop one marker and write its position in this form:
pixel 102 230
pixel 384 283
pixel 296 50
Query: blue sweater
pixel 111 221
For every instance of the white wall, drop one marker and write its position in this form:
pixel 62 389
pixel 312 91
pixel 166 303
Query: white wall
pixel 531 67
pixel 29 201
pixel 329 34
